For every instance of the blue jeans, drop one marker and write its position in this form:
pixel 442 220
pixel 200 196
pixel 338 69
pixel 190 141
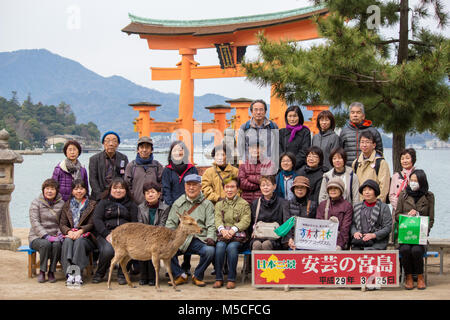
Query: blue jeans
pixel 232 251
pixel 196 246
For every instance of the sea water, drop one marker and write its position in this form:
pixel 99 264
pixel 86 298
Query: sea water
pixel 29 175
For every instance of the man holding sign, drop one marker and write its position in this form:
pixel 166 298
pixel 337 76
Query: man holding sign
pixel 414 203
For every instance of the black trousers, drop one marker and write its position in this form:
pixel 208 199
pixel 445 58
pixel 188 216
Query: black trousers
pixel 147 270
pixel 106 253
pixel 47 250
pixel 412 258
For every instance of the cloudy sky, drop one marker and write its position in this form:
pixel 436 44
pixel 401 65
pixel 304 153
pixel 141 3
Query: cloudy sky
pixel 89 32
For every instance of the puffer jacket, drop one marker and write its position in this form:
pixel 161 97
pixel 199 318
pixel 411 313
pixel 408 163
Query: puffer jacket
pixel 44 218
pixel 343 211
pixel 350 134
pixel 212 181
pixel 111 213
pixel 298 146
pixel 64 178
pixel 298 208
pixel 326 141
pixel 249 175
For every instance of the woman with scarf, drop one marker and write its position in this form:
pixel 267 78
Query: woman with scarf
pixel 326 139
pixel 143 169
pixel 70 169
pixel 286 176
pixel 173 174
pixel 313 170
pixel 76 224
pixel 114 209
pixel 295 138
pixel 45 236
pixel 400 179
pixel 415 200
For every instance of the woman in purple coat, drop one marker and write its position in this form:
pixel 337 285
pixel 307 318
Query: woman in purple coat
pixel 337 209
pixel 70 169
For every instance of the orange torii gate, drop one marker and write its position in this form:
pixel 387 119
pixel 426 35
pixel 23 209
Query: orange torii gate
pixel 230 36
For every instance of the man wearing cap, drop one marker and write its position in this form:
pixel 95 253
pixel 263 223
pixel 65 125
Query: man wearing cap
pixel 106 165
pixel 372 220
pixel 143 169
pixel 337 209
pixel 202 210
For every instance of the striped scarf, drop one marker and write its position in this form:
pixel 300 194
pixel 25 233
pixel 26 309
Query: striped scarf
pixel 77 208
pixel 373 216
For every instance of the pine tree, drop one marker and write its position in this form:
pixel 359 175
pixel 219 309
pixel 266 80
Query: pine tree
pixel 401 81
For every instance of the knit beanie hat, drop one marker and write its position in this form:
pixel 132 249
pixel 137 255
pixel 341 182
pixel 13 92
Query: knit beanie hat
pixel 110 132
pixel 371 184
pixel 336 182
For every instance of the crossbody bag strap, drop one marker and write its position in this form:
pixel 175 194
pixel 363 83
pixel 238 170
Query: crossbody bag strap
pixel 257 212
pixel 327 208
pixel 194 207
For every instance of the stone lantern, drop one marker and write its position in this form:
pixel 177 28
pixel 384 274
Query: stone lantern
pixel 7 160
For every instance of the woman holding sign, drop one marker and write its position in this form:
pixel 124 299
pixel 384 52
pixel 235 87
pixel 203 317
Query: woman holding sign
pixel 338 209
pixel 415 201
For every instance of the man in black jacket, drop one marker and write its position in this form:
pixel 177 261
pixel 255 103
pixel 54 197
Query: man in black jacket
pixel 351 132
pixel 106 165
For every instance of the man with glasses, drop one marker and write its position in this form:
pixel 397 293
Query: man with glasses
pixel 106 165
pixel 371 165
pixel 261 131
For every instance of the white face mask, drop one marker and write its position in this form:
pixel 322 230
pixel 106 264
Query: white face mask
pixel 414 185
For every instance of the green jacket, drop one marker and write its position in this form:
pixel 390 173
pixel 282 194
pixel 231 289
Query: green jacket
pixel 203 214
pixel 234 212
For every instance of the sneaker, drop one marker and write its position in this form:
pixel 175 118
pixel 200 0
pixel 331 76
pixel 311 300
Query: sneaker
pixel 143 282
pixel 122 281
pixel 70 280
pixel 78 280
pixel 151 282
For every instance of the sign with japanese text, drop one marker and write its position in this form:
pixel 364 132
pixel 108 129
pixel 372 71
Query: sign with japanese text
pixel 377 268
pixel 315 234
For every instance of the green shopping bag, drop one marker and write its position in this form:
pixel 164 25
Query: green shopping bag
pixel 412 230
pixel 285 227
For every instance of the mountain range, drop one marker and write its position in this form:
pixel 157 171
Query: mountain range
pixel 51 79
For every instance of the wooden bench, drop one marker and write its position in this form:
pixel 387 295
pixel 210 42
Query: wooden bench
pixel 440 245
pixel 34 264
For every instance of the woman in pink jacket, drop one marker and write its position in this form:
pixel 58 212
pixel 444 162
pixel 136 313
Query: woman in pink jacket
pixel 400 180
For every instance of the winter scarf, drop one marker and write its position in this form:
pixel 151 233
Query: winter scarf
pixel 77 208
pixel 144 162
pixel 293 130
pixel 73 168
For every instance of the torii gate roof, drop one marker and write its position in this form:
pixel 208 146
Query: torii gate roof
pixel 209 28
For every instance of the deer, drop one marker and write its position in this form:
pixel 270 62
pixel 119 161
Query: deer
pixel 143 242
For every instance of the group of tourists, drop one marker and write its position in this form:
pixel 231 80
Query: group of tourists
pixel 343 178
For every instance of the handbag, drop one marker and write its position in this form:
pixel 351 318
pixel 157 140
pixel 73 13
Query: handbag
pixel 264 230
pixel 240 236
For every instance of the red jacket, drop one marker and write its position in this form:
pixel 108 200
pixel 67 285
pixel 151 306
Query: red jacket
pixel 249 175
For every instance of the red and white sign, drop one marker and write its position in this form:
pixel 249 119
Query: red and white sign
pixel 325 269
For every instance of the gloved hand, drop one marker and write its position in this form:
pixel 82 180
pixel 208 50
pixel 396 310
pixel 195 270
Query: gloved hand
pixel 210 242
pixel 51 238
pixel 60 237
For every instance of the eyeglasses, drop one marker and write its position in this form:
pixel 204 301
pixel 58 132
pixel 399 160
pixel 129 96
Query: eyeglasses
pixel 314 156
